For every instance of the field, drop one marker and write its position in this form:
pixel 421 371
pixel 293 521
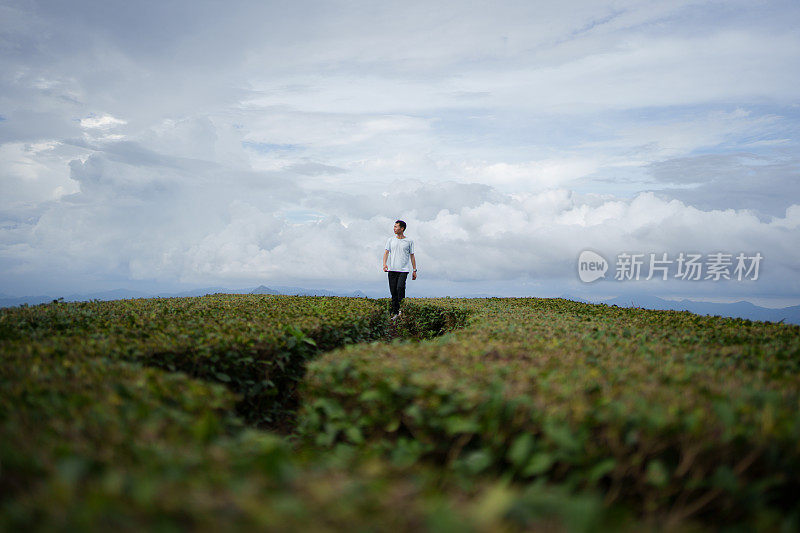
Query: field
pixel 320 413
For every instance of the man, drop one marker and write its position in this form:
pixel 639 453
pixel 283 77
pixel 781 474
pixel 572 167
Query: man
pixel 399 250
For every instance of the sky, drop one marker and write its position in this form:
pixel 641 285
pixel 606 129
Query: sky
pixel 177 144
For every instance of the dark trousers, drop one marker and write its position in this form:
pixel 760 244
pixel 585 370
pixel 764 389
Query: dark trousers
pixel 397 286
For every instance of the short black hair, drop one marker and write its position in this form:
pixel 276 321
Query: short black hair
pixel 402 224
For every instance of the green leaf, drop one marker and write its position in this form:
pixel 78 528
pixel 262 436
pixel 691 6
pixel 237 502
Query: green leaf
pixel 370 395
pixel 656 473
pixel 414 412
pixel 538 464
pixel 406 452
pixel 478 461
pixel 561 434
pixel 521 449
pixel 459 424
pixel 601 469
pixel 354 434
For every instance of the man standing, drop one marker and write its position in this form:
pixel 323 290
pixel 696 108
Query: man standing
pixel 398 250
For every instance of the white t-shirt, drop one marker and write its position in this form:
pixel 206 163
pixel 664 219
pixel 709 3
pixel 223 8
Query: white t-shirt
pixel 400 251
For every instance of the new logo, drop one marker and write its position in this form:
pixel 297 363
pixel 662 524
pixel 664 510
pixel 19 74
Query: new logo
pixel 591 266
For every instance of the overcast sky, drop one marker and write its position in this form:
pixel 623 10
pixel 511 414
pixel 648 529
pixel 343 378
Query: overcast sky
pixel 174 144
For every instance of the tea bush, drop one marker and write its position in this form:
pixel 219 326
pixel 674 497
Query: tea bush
pixel 485 414
pixel 257 345
pixel 95 444
pixel 98 432
pixel 674 415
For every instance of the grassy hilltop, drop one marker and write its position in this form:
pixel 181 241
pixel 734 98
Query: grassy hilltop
pixel 319 413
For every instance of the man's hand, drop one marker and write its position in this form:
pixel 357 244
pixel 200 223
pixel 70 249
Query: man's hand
pixel 385 268
pixel 414 275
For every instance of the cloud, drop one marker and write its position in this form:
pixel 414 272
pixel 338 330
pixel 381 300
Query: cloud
pixel 205 143
pixel 310 168
pixel 22 125
pixel 530 175
pixel 402 199
pixel 325 129
pixel 120 222
pixel 33 173
pixel 739 180
pixel 102 122
pixel 662 133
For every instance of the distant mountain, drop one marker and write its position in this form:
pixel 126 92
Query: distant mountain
pixel 122 294
pixel 202 292
pixel 735 310
pixel 261 289
pixel 301 291
pixel 116 294
pixel 11 301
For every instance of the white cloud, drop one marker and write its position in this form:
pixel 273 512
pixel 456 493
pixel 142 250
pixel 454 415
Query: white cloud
pixel 517 239
pixel 204 143
pixel 324 129
pixel 33 173
pixel 530 175
pixel 742 180
pixel 102 122
pixel 681 133
pixel 132 225
pixel 790 221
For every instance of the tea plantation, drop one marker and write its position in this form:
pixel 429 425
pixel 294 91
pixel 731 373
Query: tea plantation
pixel 321 414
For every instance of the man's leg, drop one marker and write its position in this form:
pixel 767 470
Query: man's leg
pixel 401 288
pixel 393 289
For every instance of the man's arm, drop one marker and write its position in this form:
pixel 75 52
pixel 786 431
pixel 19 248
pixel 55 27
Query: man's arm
pixel 385 256
pixel 414 266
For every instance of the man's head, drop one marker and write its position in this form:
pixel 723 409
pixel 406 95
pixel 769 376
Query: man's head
pixel 399 227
